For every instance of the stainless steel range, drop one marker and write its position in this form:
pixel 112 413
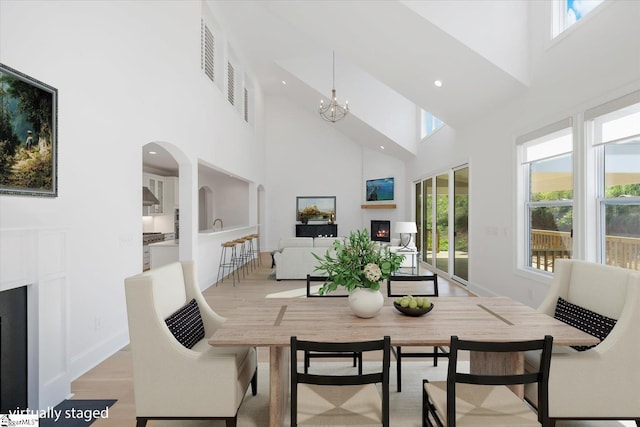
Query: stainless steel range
pixel 152 238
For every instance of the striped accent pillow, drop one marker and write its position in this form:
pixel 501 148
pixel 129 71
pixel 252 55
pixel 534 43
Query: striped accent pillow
pixel 586 320
pixel 186 324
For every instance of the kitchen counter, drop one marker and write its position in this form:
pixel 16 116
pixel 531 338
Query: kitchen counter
pixel 215 231
pixel 164 243
pixel 163 253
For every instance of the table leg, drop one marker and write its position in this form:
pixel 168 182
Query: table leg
pixel 278 385
pixel 499 364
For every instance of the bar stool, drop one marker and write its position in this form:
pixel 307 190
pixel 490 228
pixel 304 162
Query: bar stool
pixel 242 255
pixel 231 263
pixel 251 250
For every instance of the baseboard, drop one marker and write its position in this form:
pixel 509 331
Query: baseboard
pixel 95 355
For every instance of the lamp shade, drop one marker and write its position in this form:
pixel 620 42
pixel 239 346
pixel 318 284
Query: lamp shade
pixel 406 227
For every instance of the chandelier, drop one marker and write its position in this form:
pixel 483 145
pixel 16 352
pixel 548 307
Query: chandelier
pixel 333 111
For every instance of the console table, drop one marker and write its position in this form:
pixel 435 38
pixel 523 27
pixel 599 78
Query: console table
pixel 315 230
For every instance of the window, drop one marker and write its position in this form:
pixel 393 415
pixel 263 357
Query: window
pixel 430 123
pixel 616 141
pixel 568 12
pixel 547 172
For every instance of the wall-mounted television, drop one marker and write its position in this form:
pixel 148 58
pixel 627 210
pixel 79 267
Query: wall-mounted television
pixel 379 189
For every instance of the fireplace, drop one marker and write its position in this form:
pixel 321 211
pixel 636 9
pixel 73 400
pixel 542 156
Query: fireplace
pixel 13 349
pixel 380 231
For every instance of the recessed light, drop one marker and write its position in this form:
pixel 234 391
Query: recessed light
pixel 284 83
pixel 382 147
pixel 152 152
pixel 437 83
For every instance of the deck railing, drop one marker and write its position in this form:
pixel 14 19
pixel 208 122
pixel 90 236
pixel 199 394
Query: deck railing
pixel 547 246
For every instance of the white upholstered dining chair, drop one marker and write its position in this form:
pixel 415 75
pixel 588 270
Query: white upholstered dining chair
pixel 601 382
pixel 176 373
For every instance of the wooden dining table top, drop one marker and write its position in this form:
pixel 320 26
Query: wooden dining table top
pixel 270 322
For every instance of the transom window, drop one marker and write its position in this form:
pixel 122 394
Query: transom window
pixel 568 12
pixel 430 124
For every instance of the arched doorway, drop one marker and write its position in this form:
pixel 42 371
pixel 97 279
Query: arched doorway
pixel 166 168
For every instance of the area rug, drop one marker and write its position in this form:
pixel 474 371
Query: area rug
pixel 405 407
pixel 76 413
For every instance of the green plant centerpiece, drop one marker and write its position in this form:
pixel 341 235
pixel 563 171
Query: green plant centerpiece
pixel 358 263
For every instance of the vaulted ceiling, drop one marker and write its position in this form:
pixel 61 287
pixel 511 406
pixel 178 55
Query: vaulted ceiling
pixel 388 54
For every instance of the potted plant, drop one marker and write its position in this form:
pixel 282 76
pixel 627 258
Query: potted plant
pixel 359 265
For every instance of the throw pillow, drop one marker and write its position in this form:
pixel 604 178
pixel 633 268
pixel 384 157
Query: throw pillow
pixel 186 324
pixel 586 320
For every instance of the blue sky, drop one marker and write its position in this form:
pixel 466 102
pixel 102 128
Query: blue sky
pixel 576 9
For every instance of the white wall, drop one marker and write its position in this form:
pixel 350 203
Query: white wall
pixel 307 156
pixel 127 73
pixel 564 84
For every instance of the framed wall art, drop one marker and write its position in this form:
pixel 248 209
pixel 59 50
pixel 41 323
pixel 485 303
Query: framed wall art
pixel 315 208
pixel 28 135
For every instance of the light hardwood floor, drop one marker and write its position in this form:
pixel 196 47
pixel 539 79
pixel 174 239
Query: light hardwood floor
pixel 112 379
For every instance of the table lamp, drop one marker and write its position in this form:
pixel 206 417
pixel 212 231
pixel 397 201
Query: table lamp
pixel 406 228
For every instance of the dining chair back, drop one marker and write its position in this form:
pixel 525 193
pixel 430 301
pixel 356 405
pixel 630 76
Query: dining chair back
pixel 312 293
pixel 417 286
pixel 484 399
pixel 344 396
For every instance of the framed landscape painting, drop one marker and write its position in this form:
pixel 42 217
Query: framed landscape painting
pixel 28 135
pixel 315 208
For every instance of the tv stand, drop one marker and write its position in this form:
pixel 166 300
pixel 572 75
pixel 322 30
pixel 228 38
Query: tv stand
pixel 315 230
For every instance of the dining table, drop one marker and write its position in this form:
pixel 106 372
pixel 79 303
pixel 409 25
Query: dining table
pixel 271 322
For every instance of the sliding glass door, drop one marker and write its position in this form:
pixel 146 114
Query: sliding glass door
pixel 461 223
pixel 442 215
pixel 426 215
pixel 441 242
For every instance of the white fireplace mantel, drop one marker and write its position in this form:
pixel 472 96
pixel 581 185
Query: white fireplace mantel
pixel 37 259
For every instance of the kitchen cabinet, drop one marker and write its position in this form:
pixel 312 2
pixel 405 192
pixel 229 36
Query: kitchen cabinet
pixel 146 258
pixel 165 189
pixel 172 190
pixel 157 187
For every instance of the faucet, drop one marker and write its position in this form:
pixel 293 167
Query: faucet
pixel 214 223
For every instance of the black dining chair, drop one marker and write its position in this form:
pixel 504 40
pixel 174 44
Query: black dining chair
pixel 311 293
pixel 337 399
pixel 484 399
pixel 418 286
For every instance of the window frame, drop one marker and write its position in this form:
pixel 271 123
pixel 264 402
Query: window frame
pixel 594 118
pixel 524 204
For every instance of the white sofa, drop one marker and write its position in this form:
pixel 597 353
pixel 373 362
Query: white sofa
pixel 604 381
pixel 170 380
pixel 294 259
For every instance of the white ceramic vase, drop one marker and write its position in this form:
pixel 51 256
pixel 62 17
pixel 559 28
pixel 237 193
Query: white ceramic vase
pixel 365 302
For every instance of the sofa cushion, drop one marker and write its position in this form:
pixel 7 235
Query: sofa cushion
pixel 186 324
pixel 586 320
pixel 324 242
pixel 296 242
